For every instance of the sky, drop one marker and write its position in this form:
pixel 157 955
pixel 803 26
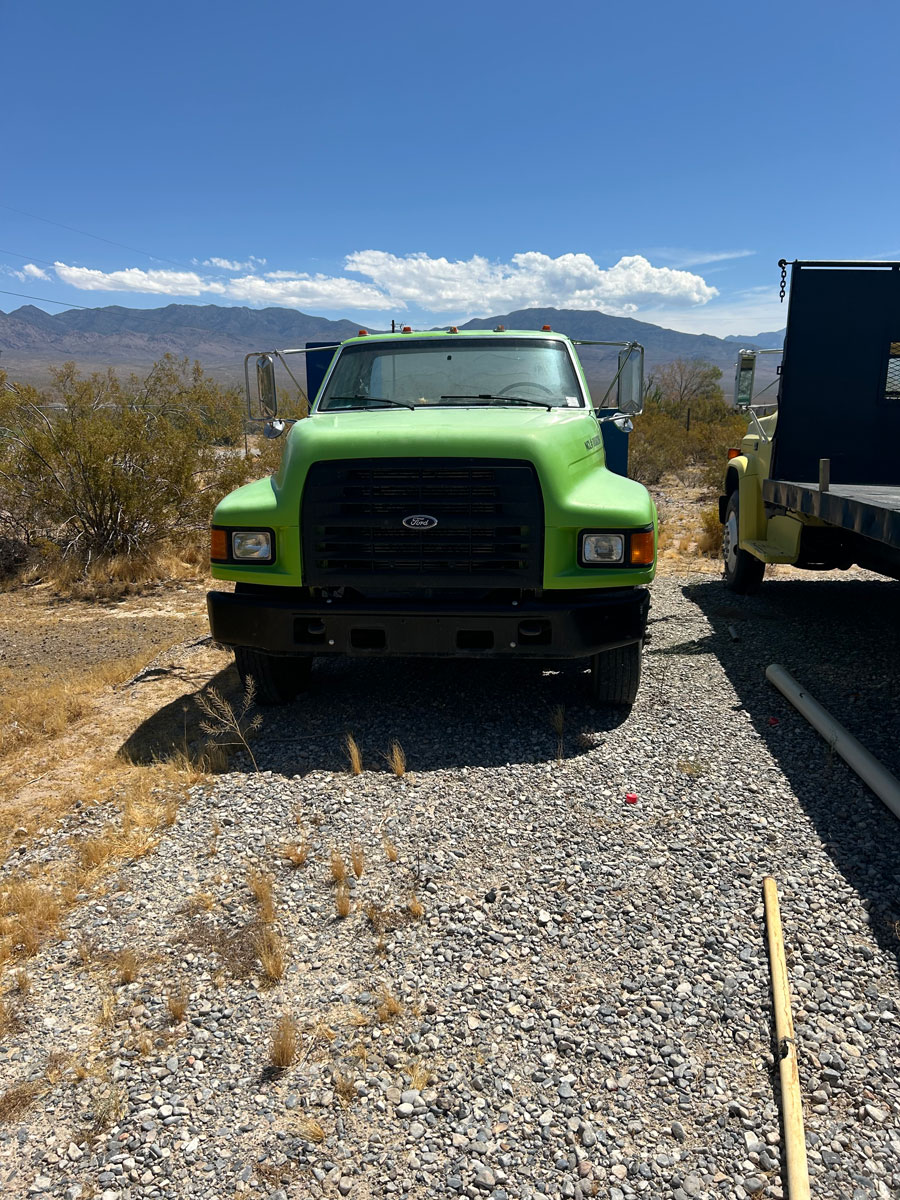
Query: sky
pixel 434 163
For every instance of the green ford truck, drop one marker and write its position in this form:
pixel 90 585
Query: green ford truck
pixel 448 495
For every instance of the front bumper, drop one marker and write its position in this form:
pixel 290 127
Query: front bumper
pixel 570 628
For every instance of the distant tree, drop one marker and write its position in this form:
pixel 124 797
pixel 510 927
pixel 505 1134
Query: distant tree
pixel 688 383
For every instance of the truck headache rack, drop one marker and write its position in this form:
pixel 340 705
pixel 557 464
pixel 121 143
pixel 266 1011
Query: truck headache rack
pixel 488 521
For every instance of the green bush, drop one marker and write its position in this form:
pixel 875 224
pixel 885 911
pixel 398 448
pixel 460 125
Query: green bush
pixel 686 423
pixel 101 469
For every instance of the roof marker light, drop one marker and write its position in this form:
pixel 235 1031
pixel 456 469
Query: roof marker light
pixel 546 329
pixel 453 329
pixel 499 329
pixel 364 333
pixel 406 329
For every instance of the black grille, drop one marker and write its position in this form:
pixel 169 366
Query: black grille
pixel 489 523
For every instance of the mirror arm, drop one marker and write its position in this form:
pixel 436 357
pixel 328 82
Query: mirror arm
pixel 303 394
pixel 630 347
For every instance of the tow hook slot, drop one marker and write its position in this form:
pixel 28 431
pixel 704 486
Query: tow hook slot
pixel 309 632
pixel 535 633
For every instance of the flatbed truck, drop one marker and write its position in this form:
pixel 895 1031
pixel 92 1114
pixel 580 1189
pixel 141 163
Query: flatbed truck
pixel 816 481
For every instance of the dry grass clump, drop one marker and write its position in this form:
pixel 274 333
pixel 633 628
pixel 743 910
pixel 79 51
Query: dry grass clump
pixel 296 854
pixel 270 952
pixel 227 723
pixel 107 1018
pixel 30 714
pixel 260 884
pixel 382 918
pixel 354 755
pixel 309 1129
pixel 114 577
pixel 391 850
pixel 284 1044
pixel 396 759
pixel 126 964
pixel 56 1066
pixel 344 1088
pixel 199 902
pixel 342 900
pixel 23 982
pixel 338 867
pixel 29 913
pixel 324 1032
pixel 357 859
pixel 389 1006
pixel 415 908
pixel 177 1003
pixel 10 1019
pixel 419 1076
pixel 18 1099
pixel 709 540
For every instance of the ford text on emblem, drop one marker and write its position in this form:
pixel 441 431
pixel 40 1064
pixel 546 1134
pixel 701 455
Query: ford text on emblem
pixel 420 521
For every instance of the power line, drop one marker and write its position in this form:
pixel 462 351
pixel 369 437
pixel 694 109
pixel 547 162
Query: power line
pixel 44 300
pixel 96 237
pixel 30 257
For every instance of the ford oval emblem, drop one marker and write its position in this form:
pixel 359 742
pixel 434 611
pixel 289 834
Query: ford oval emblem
pixel 420 521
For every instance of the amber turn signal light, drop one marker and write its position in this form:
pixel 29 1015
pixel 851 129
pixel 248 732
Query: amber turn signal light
pixel 218 544
pixel 640 553
pixel 732 453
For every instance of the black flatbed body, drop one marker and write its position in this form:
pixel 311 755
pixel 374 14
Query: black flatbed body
pixel 871 510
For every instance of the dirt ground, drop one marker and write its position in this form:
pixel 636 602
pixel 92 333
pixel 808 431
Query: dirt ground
pixel 91 691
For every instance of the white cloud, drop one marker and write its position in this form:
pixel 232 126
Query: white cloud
pixel 291 290
pixel 439 286
pixel 529 280
pixel 701 258
pixel 34 272
pixel 134 279
pixel 226 264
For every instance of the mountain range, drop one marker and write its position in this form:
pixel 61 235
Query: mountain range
pixel 32 341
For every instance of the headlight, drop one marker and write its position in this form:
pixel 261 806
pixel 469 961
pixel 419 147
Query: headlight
pixel 252 544
pixel 602 548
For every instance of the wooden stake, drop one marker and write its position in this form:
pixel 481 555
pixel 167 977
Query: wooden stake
pixel 791 1103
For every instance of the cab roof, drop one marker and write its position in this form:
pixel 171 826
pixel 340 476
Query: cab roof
pixel 398 336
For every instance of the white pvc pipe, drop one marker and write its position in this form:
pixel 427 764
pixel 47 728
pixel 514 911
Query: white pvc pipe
pixel 885 785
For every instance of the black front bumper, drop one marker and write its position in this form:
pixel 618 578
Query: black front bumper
pixel 568 628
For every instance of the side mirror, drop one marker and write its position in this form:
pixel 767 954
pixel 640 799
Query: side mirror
pixel 631 380
pixel 265 385
pixel 744 376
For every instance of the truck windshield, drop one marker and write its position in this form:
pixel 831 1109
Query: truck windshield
pixel 449 372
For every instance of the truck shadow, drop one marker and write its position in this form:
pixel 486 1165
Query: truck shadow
pixel 839 639
pixel 444 713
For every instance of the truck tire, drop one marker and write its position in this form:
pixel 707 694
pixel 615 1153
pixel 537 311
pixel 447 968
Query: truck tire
pixel 277 680
pixel 616 676
pixel 743 572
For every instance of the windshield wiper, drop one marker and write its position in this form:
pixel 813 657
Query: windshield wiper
pixel 503 399
pixel 371 400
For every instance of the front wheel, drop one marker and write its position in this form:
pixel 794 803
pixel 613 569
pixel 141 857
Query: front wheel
pixel 276 680
pixel 743 572
pixel 616 676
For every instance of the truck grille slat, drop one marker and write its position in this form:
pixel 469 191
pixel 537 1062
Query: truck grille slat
pixel 489 514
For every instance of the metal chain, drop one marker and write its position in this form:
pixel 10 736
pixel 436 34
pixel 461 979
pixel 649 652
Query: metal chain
pixel 782 262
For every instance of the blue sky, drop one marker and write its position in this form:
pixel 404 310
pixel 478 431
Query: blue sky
pixel 441 162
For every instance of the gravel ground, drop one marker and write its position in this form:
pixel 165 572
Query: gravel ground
pixel 582 1007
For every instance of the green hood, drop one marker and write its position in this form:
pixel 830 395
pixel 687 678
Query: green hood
pixel 565 446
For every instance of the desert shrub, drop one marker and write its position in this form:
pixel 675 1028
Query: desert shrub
pixel 709 542
pixel 686 423
pixel 99 468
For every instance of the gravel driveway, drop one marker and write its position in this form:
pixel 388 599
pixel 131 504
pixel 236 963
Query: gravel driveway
pixel 582 1008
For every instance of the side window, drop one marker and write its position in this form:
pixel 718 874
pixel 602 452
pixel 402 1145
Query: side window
pixel 892 374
